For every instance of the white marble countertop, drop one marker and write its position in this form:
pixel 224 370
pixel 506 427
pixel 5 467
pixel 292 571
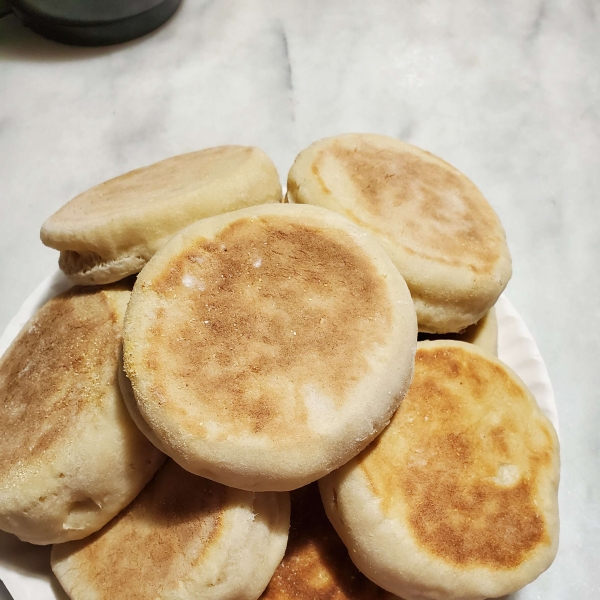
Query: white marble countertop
pixel 507 92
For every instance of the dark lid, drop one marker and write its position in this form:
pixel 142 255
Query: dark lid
pixel 93 22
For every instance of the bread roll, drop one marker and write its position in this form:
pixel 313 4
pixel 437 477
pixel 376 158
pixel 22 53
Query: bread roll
pixel 268 346
pixel 316 565
pixel 113 229
pixel 70 456
pixel 183 537
pixel 436 226
pixel 457 499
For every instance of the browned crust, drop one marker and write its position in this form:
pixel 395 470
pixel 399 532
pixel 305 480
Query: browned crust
pixel 152 545
pixel 316 565
pixel 407 198
pixel 59 367
pixel 268 303
pixel 442 454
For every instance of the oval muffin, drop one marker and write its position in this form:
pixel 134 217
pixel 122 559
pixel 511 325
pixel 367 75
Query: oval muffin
pixel 436 226
pixel 484 333
pixel 111 230
pixel 70 456
pixel 183 537
pixel 268 346
pixel 316 565
pixel 457 499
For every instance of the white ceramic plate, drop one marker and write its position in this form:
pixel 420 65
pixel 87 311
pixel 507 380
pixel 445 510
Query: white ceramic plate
pixel 25 569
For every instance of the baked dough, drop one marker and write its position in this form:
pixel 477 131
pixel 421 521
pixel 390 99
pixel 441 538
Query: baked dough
pixel 184 538
pixel 316 565
pixel 113 229
pixel 484 333
pixel 457 499
pixel 70 456
pixel 436 226
pixel 268 346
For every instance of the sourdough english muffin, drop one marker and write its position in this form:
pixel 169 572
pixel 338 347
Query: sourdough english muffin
pixel 457 499
pixel 112 230
pixel 484 333
pixel 268 346
pixel 316 565
pixel 70 456
pixel 436 226
pixel 183 537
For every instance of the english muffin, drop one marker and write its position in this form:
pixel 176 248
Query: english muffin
pixel 457 499
pixel 436 226
pixel 70 456
pixel 112 230
pixel 268 346
pixel 183 537
pixel 484 333
pixel 316 565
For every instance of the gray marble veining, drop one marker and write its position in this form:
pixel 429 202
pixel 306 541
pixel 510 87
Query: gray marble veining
pixel 507 92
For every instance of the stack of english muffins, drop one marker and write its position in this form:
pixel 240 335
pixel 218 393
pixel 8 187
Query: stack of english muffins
pixel 226 349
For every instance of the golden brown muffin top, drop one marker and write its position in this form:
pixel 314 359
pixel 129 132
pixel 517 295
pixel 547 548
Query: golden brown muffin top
pixel 461 462
pixel 416 200
pixel 60 366
pixel 245 322
pixel 316 565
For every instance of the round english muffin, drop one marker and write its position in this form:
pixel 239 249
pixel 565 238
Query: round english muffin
pixel 436 226
pixel 113 229
pixel 457 499
pixel 183 537
pixel 316 565
pixel 484 333
pixel 268 346
pixel 70 456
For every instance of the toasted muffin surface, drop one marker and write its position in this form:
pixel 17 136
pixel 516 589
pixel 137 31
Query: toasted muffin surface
pixel 460 489
pixel 465 477
pixel 316 565
pixel 314 276
pixel 437 227
pixel 146 549
pixel 183 537
pixel 112 229
pixel 441 208
pixel 71 456
pixel 254 334
pixel 48 378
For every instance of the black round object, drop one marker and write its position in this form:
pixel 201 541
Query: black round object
pixel 93 22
